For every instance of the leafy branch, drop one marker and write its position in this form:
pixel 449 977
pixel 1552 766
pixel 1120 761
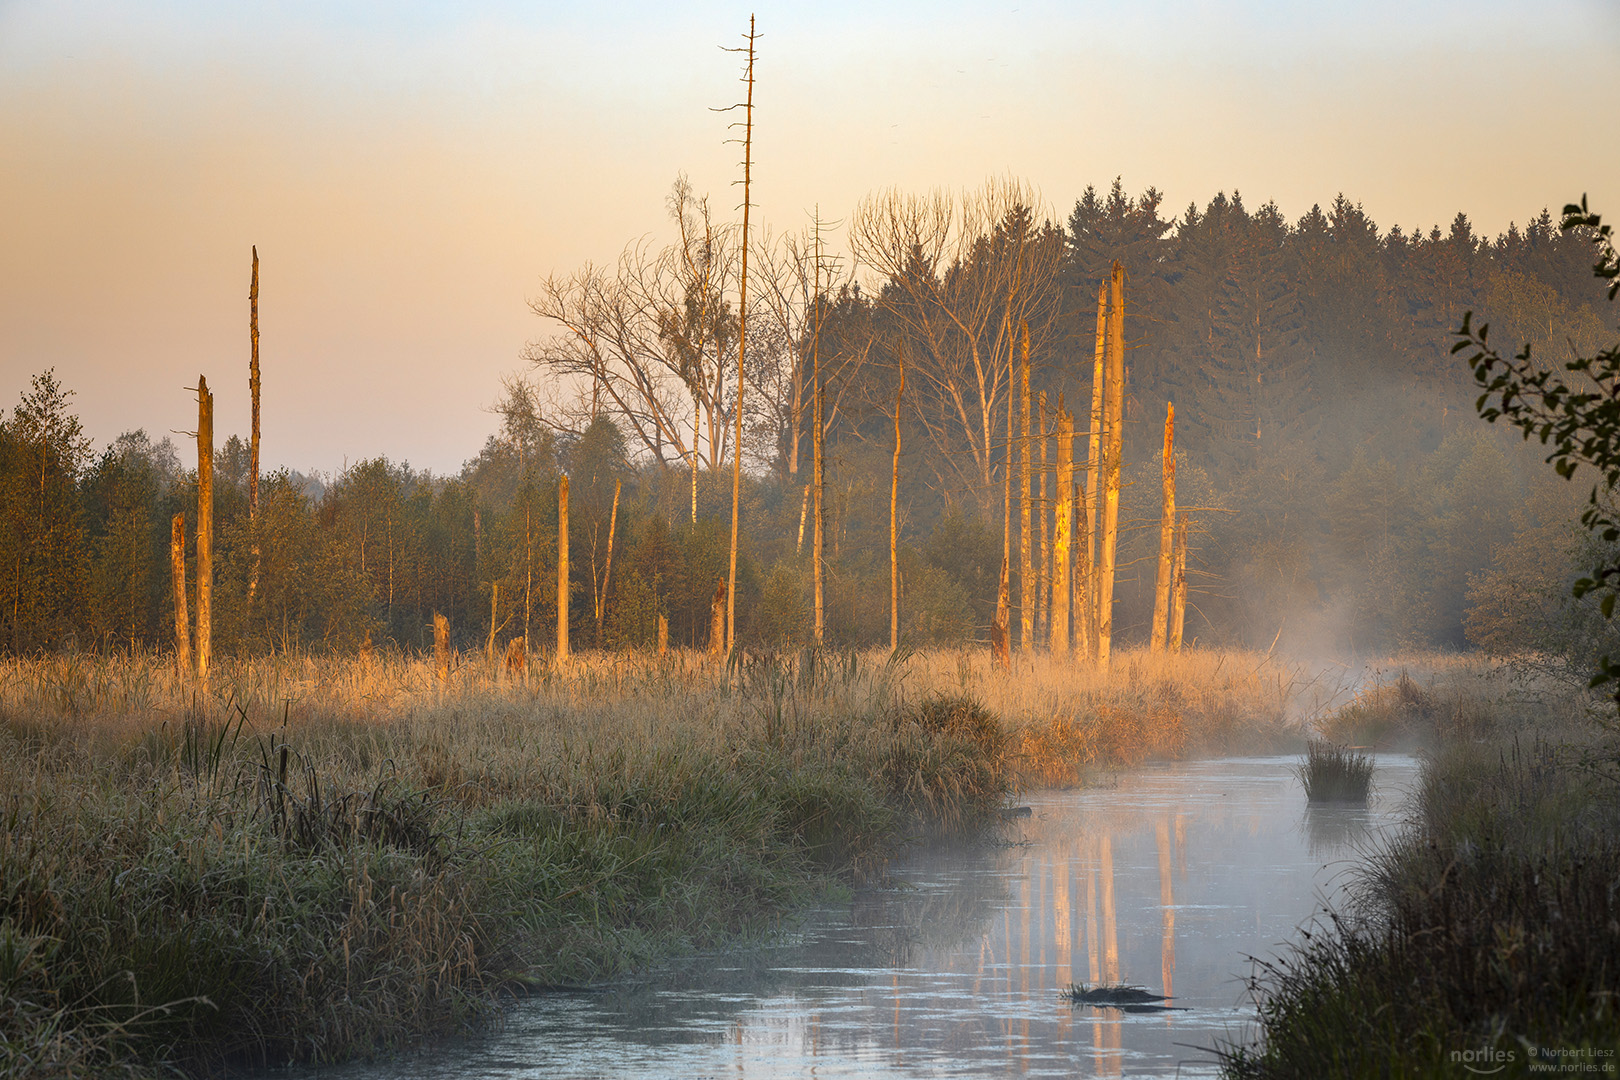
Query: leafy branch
pixel 1581 423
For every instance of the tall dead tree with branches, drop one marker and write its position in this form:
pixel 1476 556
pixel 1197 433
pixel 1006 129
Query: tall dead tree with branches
pixel 205 528
pixel 253 441
pixel 742 335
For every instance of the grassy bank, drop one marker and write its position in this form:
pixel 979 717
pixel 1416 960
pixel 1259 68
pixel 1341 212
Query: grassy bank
pixel 319 859
pixel 1488 934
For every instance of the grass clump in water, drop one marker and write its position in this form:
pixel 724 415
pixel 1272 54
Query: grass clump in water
pixel 1335 774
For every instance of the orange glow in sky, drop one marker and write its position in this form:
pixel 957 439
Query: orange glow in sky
pixel 409 172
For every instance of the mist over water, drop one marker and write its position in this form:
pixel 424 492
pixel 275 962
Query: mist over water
pixel 1168 878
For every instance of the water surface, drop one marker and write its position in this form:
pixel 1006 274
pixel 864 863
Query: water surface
pixel 1169 878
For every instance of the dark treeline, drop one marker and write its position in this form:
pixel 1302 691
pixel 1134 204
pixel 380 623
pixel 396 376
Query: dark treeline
pixel 1343 493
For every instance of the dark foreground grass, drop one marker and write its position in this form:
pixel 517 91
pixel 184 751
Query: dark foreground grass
pixel 1335 774
pixel 1487 937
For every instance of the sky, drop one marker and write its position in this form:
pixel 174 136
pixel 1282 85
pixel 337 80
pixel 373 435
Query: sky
pixel 410 171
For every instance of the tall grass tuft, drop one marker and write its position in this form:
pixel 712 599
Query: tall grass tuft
pixel 1335 774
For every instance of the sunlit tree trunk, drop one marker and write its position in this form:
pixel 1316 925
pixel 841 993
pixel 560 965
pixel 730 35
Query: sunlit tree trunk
pixel 1167 536
pixel 205 528
pixel 1000 629
pixel 607 570
pixel 1062 535
pixel 1043 595
pixel 1007 482
pixel 528 564
pixel 1114 426
pixel 253 442
pixel 742 337
pixel 818 444
pixel 717 621
pixel 562 569
pixel 804 517
pixel 441 648
pixel 1084 624
pixel 494 611
pixel 177 570
pixel 894 518
pixel 1026 576
pixel 1099 378
pixel 1178 596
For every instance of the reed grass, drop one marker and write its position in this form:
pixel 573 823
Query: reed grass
pixel 316 859
pixel 1335 774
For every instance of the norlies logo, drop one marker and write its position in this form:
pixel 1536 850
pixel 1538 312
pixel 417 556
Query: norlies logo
pixel 1484 1061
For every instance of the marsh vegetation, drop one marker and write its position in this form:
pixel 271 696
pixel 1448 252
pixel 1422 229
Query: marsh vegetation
pixel 320 859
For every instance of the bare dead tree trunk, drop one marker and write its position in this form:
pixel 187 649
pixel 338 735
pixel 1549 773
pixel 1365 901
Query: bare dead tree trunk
pixel 717 621
pixel 819 408
pixel 441 648
pixel 517 657
pixel 1043 526
pixel 1062 534
pixel 562 569
pixel 177 570
pixel 205 528
pixel 742 338
pixel 1000 630
pixel 1026 583
pixel 607 570
pixel 253 441
pixel 1178 618
pixel 1164 584
pixel 1094 445
pixel 894 517
pixel 1007 481
pixel 1085 623
pixel 1115 427
pixel 528 564
pixel 663 635
pixel 494 611
pixel 804 514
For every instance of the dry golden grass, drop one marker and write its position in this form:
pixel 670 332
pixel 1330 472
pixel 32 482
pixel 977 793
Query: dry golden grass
pixel 1419 702
pixel 1060 718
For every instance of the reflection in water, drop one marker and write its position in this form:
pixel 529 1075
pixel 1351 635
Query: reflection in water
pixel 1331 829
pixel 1168 880
pixel 1167 902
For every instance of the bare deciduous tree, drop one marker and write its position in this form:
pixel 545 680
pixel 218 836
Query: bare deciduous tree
pixel 655 337
pixel 957 275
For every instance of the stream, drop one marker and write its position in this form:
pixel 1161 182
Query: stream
pixel 1167 878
